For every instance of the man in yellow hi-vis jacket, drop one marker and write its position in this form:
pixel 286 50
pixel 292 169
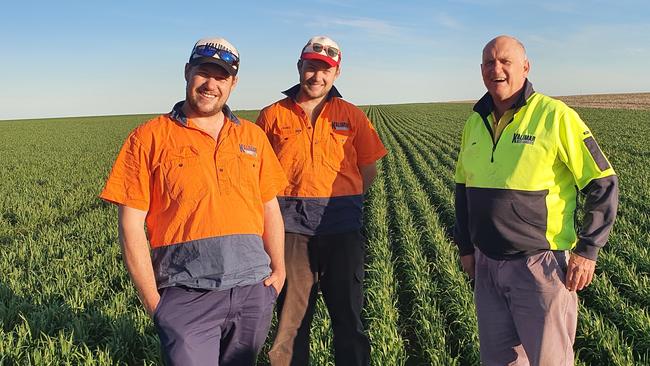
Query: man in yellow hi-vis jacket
pixel 523 157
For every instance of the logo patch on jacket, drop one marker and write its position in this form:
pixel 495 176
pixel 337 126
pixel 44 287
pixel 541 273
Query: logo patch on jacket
pixel 248 149
pixel 341 126
pixel 523 139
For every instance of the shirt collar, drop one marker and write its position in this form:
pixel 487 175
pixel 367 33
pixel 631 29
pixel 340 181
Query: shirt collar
pixel 293 92
pixel 178 115
pixel 485 105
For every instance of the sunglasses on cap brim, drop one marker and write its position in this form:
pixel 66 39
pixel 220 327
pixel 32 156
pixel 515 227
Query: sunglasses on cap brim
pixel 210 51
pixel 319 48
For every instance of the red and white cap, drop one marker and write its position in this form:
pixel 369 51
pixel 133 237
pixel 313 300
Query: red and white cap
pixel 322 48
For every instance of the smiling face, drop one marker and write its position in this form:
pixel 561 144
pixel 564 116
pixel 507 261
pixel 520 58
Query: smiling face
pixel 504 69
pixel 316 79
pixel 208 89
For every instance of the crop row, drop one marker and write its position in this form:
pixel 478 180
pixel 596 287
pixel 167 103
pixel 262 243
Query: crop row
pixel 65 297
pixel 625 334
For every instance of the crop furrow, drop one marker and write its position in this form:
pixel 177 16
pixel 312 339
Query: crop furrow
pixel 453 292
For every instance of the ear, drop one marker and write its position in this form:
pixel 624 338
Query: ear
pixel 188 68
pixel 338 72
pixel 299 64
pixel 235 79
pixel 526 67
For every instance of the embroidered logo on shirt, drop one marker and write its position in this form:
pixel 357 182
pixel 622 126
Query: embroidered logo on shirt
pixel 248 149
pixel 289 128
pixel 523 139
pixel 341 126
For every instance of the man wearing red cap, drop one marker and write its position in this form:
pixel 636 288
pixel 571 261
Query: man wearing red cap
pixel 205 184
pixel 328 149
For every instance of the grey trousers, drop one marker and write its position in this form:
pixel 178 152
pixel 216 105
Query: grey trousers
pixel 526 316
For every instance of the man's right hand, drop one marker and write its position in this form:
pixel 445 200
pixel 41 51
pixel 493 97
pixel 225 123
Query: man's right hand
pixel 276 279
pixel 467 261
pixel 151 304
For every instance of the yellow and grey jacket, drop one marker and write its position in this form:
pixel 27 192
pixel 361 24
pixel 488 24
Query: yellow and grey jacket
pixel 516 195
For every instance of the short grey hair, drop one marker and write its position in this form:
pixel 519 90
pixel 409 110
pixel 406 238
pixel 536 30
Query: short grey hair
pixel 509 37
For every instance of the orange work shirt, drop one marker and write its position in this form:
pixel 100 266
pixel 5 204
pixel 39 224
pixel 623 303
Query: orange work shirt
pixel 204 198
pixel 321 161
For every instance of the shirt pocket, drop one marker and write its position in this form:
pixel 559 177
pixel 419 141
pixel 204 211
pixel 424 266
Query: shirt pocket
pixel 339 151
pixel 289 147
pixel 288 142
pixel 184 175
pixel 227 171
pixel 249 171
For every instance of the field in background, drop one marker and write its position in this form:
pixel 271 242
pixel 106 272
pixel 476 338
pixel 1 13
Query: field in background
pixel 640 101
pixel 622 101
pixel 66 298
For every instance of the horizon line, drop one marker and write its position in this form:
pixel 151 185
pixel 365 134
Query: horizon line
pixel 465 101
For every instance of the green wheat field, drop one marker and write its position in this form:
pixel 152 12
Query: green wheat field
pixel 66 299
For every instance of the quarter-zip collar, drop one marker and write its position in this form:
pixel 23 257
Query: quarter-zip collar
pixel 485 106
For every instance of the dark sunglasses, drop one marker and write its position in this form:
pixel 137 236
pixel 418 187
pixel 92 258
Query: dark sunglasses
pixel 209 51
pixel 318 48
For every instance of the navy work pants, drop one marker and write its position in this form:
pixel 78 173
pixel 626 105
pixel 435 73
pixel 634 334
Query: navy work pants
pixel 209 327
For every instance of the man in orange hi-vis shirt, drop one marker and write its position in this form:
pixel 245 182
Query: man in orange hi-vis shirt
pixel 328 149
pixel 205 183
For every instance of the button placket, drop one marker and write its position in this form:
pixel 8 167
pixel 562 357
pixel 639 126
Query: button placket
pixel 226 162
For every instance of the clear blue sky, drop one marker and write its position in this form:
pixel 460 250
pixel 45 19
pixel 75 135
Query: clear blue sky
pixel 74 58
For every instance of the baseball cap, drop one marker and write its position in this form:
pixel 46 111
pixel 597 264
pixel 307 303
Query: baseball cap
pixel 322 48
pixel 216 51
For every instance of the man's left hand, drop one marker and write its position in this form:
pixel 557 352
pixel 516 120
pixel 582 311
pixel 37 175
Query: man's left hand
pixel 277 280
pixel 580 272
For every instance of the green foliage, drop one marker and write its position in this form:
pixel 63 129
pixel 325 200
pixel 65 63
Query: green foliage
pixel 65 297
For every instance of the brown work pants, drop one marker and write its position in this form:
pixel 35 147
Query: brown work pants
pixel 526 316
pixel 335 262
